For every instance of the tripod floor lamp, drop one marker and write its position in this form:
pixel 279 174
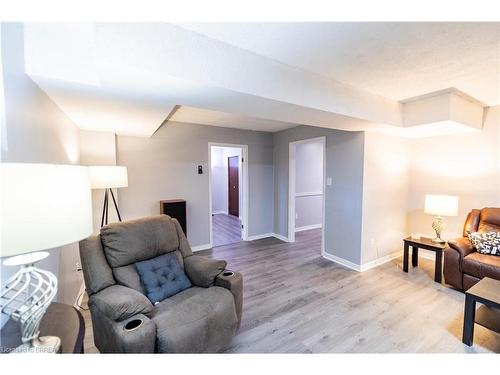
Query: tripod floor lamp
pixel 108 178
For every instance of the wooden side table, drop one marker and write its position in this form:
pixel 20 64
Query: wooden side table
pixel 427 244
pixel 486 292
pixel 60 320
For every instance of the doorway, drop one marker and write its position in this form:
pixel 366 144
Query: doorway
pixel 307 183
pixel 228 193
pixel 233 172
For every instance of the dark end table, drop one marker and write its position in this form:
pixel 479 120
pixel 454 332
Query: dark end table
pixel 487 292
pixel 427 244
pixel 60 320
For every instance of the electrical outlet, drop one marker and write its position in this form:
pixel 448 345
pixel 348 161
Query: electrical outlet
pixel 296 215
pixel 329 181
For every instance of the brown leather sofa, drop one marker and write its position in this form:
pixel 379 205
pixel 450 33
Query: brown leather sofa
pixel 463 265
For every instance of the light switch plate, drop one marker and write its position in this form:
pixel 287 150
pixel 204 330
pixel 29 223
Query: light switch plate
pixel 329 181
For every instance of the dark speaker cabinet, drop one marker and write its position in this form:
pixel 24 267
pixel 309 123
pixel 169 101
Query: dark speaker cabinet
pixel 175 208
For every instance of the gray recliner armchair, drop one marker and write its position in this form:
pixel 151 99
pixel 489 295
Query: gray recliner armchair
pixel 200 319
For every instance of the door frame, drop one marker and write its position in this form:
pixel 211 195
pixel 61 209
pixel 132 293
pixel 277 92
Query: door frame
pixel 244 185
pixel 291 189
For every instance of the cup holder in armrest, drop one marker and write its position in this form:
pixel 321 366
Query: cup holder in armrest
pixel 133 324
pixel 228 273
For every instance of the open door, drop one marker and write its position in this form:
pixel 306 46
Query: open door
pixel 233 186
pixel 228 193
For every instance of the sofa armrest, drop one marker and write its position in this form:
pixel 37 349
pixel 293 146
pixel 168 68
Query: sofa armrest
pixel 119 303
pixel 233 281
pixel 461 245
pixel 203 271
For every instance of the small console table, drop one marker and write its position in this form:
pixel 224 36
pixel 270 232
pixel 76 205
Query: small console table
pixel 427 244
pixel 486 292
pixel 60 320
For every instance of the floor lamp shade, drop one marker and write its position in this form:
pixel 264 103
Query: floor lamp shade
pixel 43 206
pixel 104 177
pixel 107 178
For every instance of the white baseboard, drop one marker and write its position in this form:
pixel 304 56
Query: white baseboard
pixel 426 254
pixel 259 236
pixel 363 267
pixel 201 247
pixel 280 237
pixel 219 212
pixel 342 261
pixel 308 227
pixel 267 235
pixel 377 262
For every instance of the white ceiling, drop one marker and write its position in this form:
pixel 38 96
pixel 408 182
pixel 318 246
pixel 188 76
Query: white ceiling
pixel 227 120
pixel 127 77
pixel 395 60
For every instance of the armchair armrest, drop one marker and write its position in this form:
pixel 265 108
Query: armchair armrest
pixel 233 281
pixel 203 271
pixel 119 303
pixel 462 246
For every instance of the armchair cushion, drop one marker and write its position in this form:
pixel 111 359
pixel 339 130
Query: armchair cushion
pixel 128 276
pixel 118 302
pixel 196 320
pixel 96 270
pixel 203 271
pixel 162 277
pixel 132 241
pixel 482 265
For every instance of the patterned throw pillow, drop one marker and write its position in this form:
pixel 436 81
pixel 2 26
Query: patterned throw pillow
pixel 485 243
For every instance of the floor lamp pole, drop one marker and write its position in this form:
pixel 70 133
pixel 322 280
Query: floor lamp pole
pixel 105 207
pixel 116 206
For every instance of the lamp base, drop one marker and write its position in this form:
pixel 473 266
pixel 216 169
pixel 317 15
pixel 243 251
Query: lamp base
pixel 438 226
pixel 43 345
pixel 438 240
pixel 25 297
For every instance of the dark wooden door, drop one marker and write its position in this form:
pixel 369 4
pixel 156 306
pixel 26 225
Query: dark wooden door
pixel 233 198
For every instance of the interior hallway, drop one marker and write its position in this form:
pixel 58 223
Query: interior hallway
pixel 226 229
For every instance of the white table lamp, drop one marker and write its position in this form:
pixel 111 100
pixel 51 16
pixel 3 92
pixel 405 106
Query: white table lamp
pixel 439 206
pixel 44 206
pixel 108 177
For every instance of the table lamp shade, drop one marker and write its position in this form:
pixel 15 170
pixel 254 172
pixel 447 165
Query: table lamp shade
pixel 103 176
pixel 43 206
pixel 441 205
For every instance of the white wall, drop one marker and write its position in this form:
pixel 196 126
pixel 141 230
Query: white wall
pixel 308 184
pixel 386 175
pixel 343 199
pixel 219 181
pixel 37 131
pixel 466 165
pixel 220 177
pixel 165 166
pixel 399 172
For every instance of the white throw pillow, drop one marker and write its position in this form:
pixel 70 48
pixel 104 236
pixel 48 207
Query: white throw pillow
pixel 485 243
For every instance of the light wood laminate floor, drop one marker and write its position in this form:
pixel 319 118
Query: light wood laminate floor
pixel 297 302
pixel 226 229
